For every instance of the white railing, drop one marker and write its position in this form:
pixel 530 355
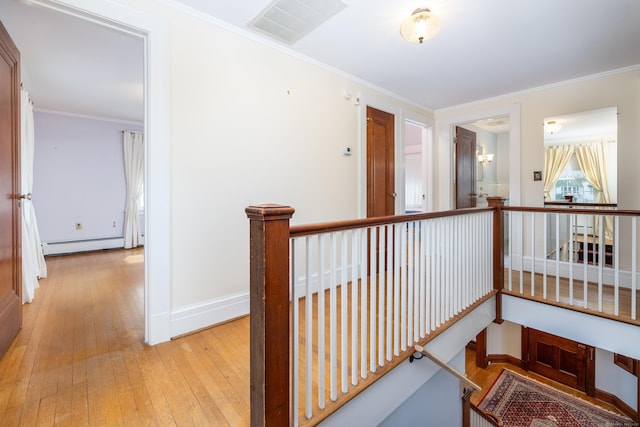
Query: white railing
pixel 364 295
pixel 577 257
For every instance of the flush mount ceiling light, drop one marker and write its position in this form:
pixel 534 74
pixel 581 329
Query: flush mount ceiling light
pixel 420 26
pixel 552 127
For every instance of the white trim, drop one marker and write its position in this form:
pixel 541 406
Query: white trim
pixel 523 92
pixel 155 31
pixel 445 152
pixel 608 273
pixel 88 117
pixel 205 314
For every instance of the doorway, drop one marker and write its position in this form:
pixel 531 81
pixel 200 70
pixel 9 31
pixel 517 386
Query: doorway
pixel 502 122
pixel 415 141
pixel 488 164
pixel 157 293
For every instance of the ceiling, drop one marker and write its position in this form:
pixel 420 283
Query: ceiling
pixel 484 49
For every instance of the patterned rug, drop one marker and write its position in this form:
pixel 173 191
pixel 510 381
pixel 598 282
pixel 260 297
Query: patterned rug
pixel 523 402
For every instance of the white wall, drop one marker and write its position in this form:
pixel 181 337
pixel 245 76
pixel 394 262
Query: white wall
pixel 78 177
pixel 248 124
pixel 436 403
pixel 621 90
pixel 615 380
pixel 504 338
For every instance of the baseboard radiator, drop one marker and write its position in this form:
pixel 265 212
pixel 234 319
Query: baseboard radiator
pixel 75 246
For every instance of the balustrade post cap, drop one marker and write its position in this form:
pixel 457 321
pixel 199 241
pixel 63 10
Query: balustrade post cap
pixel 269 211
pixel 496 200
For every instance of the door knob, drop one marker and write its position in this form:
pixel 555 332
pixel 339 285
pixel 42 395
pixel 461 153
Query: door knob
pixel 24 196
pixel 394 195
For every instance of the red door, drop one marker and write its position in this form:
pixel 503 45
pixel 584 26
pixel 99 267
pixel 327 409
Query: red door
pixel 10 221
pixel 465 168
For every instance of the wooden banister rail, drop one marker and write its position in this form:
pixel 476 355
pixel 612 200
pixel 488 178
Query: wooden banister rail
pixel 269 329
pixel 603 212
pixel 303 230
pixel 587 205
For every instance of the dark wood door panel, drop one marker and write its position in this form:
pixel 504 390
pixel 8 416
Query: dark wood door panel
pixel 465 151
pixel 10 220
pixel 380 163
pixel 560 359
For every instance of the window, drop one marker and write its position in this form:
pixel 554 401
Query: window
pixel 572 182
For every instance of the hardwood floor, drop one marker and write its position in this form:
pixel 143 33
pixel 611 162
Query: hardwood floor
pixel 80 358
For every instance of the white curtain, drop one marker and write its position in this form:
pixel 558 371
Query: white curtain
pixel 593 162
pixel 555 160
pixel 33 263
pixel 134 174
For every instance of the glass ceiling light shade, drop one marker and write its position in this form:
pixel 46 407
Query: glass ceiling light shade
pixel 420 26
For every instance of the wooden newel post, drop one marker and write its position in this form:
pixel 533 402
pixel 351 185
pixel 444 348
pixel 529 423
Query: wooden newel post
pixel 498 252
pixel 269 324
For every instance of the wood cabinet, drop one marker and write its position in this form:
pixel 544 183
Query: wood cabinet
pixel 561 359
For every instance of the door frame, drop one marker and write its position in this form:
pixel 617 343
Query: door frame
pixel 446 133
pixel 400 116
pixel 155 32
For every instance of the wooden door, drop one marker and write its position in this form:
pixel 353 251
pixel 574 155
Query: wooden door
pixel 466 160
pixel 560 359
pixel 10 221
pixel 380 163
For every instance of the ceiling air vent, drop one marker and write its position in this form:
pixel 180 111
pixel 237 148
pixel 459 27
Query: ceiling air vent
pixel 290 20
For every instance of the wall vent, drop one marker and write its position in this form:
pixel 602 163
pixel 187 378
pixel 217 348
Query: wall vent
pixel 290 20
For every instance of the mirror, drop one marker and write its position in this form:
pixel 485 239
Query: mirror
pixel 581 157
pixel 581 167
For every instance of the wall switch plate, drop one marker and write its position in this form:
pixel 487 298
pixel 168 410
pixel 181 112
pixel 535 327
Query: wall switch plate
pixel 537 175
pixel 346 150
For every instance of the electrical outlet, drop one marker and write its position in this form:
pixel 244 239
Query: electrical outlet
pixel 114 224
pixel 78 226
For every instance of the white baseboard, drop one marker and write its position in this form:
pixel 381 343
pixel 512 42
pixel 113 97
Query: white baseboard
pixel 566 269
pixel 208 313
